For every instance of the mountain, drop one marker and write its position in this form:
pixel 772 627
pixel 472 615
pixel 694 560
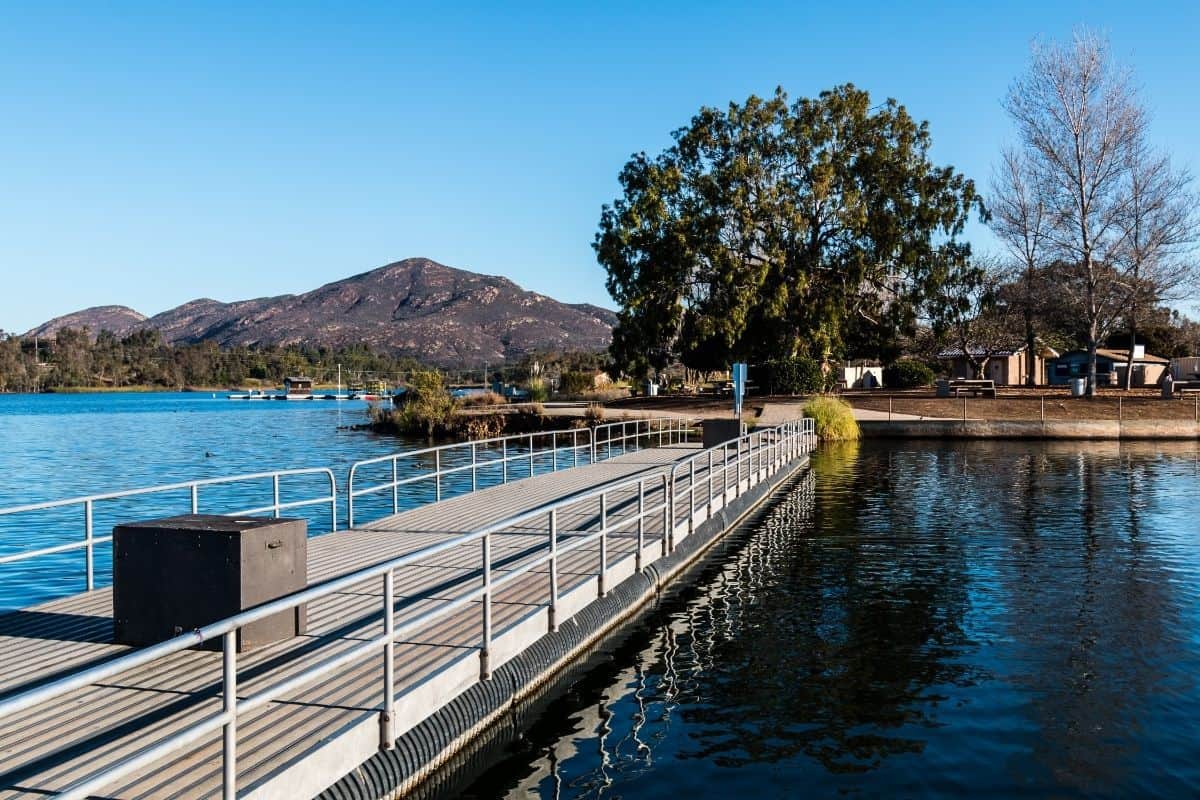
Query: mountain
pixel 121 320
pixel 415 307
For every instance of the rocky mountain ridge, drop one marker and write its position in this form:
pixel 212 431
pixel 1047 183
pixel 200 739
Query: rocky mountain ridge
pixel 416 307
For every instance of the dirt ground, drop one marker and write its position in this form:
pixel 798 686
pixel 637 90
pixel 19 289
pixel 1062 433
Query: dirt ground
pixel 1014 404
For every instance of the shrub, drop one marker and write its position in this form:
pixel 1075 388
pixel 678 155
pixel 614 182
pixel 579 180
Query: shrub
pixel 428 408
pixel 593 415
pixel 834 418
pixel 907 374
pixel 488 398
pixel 577 383
pixel 481 426
pixel 801 375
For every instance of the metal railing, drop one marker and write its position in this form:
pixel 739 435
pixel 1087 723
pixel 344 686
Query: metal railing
pixel 435 466
pixel 87 505
pixel 639 433
pixel 757 450
pixel 756 456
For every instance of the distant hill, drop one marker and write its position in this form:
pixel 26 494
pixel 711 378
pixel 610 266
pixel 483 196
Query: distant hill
pixel 414 307
pixel 121 320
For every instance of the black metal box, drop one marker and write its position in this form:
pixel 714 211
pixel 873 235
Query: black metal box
pixel 176 574
pixel 719 431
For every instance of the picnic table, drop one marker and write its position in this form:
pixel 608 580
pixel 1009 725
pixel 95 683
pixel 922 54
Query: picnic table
pixel 1186 387
pixel 959 386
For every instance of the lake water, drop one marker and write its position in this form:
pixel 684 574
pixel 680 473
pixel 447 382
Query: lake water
pixel 912 619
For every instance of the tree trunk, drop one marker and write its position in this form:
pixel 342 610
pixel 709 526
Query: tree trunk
pixel 1031 371
pixel 1132 340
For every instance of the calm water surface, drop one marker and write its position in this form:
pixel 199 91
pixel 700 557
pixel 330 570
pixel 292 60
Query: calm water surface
pixel 913 620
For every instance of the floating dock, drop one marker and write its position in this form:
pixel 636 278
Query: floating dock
pixel 491 594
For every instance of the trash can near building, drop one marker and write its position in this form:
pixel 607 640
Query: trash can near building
pixel 1078 387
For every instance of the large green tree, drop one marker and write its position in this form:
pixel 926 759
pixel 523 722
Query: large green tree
pixel 779 228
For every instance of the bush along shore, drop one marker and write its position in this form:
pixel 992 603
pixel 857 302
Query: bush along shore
pixel 428 411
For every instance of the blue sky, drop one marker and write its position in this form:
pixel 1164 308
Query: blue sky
pixel 152 153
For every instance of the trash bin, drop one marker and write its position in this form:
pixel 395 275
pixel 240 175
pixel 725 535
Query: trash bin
pixel 943 387
pixel 172 575
pixel 1078 387
pixel 651 389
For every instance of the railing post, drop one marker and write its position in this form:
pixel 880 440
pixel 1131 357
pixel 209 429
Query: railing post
pixel 474 460
pixel 724 473
pixel 89 553
pixel 437 475
pixel 387 721
pixel 229 706
pixel 641 528
pixel 485 664
pixel 531 455
pixel 195 499
pixel 668 518
pixel 275 493
pixel 395 486
pixel 575 448
pixel 602 588
pixel 554 451
pixel 692 496
pixel 504 460
pixel 710 484
pixel 332 502
pixel 553 610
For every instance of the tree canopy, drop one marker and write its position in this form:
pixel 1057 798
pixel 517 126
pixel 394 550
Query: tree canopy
pixel 779 228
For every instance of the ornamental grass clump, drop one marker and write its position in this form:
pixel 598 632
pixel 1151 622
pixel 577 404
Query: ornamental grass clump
pixel 834 418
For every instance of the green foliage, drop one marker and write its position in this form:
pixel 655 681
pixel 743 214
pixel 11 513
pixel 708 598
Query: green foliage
pixel 428 408
pixel 834 418
pixel 800 375
pixel 539 392
pixel 577 382
pixel 775 229
pixel 907 374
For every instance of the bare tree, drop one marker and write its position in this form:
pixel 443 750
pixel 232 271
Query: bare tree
pixel 1021 220
pixel 972 320
pixel 1162 227
pixel 1079 120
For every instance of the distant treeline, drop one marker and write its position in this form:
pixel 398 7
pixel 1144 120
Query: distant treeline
pixel 73 359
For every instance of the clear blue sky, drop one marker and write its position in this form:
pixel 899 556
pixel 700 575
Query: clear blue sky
pixel 152 153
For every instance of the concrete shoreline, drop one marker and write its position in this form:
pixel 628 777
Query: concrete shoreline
pixel 1082 430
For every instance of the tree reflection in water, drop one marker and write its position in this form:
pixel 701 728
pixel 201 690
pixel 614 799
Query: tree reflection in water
pixel 928 619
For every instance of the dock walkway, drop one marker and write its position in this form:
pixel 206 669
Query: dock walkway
pixel 296 742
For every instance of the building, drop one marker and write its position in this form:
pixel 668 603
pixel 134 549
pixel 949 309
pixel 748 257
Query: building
pixel 1005 367
pixel 1111 366
pixel 1185 369
pixel 297 386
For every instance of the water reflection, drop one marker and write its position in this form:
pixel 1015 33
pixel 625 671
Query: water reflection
pixel 927 619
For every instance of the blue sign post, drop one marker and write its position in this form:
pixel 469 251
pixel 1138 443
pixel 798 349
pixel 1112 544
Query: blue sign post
pixel 739 388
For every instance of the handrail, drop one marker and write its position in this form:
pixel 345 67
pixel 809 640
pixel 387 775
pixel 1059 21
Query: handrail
pixel 526 453
pixel 759 454
pixel 675 429
pixel 473 447
pixel 88 502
